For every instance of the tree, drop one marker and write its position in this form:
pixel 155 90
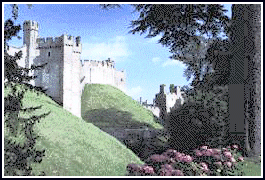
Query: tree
pixel 18 156
pixel 172 88
pixel 245 47
pixel 182 27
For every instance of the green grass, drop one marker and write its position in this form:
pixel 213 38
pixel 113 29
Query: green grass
pixel 252 168
pixel 107 106
pixel 73 146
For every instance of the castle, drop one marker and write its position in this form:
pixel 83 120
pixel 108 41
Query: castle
pixel 65 75
pixel 164 101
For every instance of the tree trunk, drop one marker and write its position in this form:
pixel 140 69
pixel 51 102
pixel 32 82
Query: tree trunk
pixel 245 41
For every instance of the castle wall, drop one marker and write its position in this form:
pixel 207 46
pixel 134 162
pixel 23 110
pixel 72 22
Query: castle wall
pixel 120 80
pixel 155 110
pixel 168 101
pixel 51 52
pixel 102 72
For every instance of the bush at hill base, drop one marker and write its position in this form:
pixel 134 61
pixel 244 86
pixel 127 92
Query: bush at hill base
pixel 204 161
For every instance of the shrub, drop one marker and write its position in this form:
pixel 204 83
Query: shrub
pixel 203 161
pixel 203 118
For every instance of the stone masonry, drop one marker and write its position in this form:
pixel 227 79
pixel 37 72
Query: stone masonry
pixel 65 75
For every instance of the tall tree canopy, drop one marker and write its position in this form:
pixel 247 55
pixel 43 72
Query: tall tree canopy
pixel 180 25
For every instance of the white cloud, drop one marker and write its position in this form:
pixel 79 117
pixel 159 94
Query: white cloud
pixel 115 48
pixel 154 39
pixel 170 62
pixel 156 59
pixel 135 91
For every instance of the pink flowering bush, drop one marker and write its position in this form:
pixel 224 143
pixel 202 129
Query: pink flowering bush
pixel 204 161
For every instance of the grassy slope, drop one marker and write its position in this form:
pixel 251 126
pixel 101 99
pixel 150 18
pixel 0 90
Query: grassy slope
pixel 106 106
pixel 252 167
pixel 73 146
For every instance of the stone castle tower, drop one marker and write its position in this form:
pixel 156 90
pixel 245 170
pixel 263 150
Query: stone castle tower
pixel 64 76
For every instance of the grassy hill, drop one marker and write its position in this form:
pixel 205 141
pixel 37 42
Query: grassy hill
pixel 107 106
pixel 73 146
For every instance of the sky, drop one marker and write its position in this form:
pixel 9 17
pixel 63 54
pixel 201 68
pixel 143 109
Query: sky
pixel 105 34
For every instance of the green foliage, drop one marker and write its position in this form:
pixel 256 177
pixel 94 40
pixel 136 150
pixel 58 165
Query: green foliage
pixel 18 156
pixel 178 23
pixel 172 88
pixel 109 6
pixel 203 114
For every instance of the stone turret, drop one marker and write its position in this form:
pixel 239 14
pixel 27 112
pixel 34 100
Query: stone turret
pixel 31 32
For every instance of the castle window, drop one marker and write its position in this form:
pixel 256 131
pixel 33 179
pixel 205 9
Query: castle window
pixel 49 54
pixel 121 79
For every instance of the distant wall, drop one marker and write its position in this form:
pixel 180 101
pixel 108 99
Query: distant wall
pixel 102 72
pixel 155 110
pixel 120 80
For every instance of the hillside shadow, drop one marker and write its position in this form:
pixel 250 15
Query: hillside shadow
pixel 158 120
pixel 140 137
pixel 113 118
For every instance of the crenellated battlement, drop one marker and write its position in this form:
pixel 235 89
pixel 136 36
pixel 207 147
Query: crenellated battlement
pixel 30 24
pixel 56 42
pixel 49 40
pixel 105 63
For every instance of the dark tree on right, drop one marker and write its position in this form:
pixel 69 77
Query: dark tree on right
pixel 245 76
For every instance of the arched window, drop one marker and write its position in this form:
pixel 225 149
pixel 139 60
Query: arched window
pixel 49 54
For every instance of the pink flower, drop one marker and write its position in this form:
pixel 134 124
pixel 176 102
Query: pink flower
pixel 204 166
pixel 134 168
pixel 148 170
pixel 241 158
pixel 218 157
pixel 228 164
pixel 198 153
pixel 204 147
pixel 164 172
pixel 217 151
pixel 208 152
pixel 171 153
pixel 167 166
pixel 155 158
pixel 232 159
pixel 228 154
pixel 177 173
pixel 224 149
pixel 172 161
pixel 180 158
pixel 234 146
pixel 229 147
pixel 187 159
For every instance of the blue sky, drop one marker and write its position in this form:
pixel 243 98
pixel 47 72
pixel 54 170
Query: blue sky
pixel 104 34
